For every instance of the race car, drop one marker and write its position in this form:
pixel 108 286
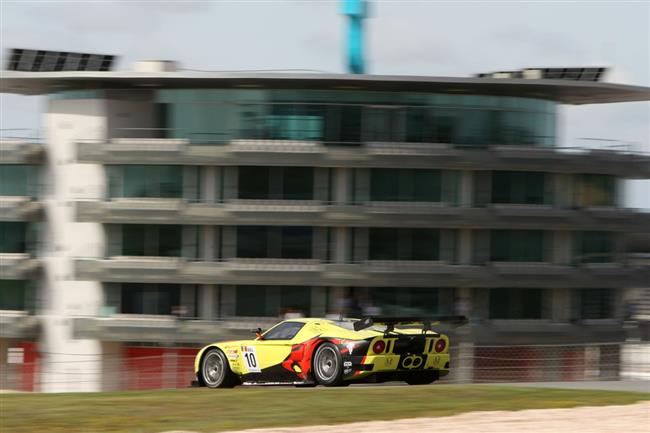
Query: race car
pixel 313 351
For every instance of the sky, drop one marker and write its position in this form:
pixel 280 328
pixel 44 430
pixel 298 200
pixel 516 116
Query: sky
pixel 437 38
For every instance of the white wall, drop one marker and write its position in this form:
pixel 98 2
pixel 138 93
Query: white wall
pixel 70 364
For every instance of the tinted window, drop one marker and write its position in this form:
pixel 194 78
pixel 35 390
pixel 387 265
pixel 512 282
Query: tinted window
pixel 284 331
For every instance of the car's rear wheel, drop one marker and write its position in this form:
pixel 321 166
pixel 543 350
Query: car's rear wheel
pixel 215 371
pixel 328 365
pixel 424 378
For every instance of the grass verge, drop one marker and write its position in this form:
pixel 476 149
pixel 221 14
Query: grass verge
pixel 204 410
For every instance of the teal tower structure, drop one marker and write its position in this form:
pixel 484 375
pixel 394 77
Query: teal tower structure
pixel 356 11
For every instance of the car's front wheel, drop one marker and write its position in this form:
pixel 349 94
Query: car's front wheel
pixel 328 365
pixel 215 371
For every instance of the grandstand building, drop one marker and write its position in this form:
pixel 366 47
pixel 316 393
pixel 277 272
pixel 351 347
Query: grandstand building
pixel 161 209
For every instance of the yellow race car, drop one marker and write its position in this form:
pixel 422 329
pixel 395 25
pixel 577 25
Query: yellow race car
pixel 311 351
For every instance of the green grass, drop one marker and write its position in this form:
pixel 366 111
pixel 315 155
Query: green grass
pixel 206 410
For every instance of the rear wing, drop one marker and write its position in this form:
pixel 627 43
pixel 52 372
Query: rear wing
pixel 390 322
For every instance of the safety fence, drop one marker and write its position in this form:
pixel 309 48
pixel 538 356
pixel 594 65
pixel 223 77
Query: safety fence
pixel 149 368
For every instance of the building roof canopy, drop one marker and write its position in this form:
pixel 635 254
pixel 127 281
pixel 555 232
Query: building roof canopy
pixel 562 91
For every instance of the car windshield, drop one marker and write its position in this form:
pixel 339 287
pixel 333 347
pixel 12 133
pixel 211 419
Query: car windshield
pixel 283 331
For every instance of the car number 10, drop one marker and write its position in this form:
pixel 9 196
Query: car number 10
pixel 250 358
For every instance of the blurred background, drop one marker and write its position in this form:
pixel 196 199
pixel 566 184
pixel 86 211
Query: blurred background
pixel 227 165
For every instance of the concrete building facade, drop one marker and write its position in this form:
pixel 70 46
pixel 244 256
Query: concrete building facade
pixel 162 209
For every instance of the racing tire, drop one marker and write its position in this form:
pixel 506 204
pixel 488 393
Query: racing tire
pixel 214 370
pixel 422 378
pixel 328 365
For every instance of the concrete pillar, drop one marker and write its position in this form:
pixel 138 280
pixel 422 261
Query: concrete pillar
pixel 448 242
pixel 207 308
pixel 463 366
pixel 342 244
pixel 560 304
pixel 562 247
pixel 465 246
pixel 112 367
pixel 208 242
pixel 342 185
pixel 466 193
pixel 65 123
pixel 209 187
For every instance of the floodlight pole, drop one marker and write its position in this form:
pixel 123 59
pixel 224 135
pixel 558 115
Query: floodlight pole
pixel 356 12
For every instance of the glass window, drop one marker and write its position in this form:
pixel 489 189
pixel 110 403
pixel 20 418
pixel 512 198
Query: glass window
pixel 384 184
pixel 425 244
pixel 15 179
pixel 138 298
pixel 152 181
pixel 296 242
pixel 335 117
pixel 416 185
pixel 595 247
pixel 298 183
pixel 251 301
pixel 517 245
pixel 403 244
pixel 596 190
pixel 13 237
pixel 515 303
pixel 169 240
pixel 151 240
pixel 262 301
pixel 254 182
pixel 517 187
pixel 12 294
pixel 383 244
pixel 252 241
pixel 283 331
pixel 596 303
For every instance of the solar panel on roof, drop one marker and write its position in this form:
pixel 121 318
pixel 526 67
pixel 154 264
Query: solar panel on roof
pixel 51 61
pixel 575 74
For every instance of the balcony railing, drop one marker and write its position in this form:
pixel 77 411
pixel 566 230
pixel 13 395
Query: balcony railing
pixel 16 266
pixel 359 274
pixel 19 208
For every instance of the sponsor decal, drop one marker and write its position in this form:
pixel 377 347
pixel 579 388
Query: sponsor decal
pixel 412 362
pixel 232 354
pixel 347 364
pixel 250 359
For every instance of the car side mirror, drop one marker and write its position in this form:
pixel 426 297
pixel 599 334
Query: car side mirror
pixel 258 333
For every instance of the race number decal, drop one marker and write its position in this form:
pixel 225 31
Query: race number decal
pixel 251 360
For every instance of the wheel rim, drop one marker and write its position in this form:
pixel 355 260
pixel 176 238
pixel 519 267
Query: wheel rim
pixel 212 368
pixel 327 363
